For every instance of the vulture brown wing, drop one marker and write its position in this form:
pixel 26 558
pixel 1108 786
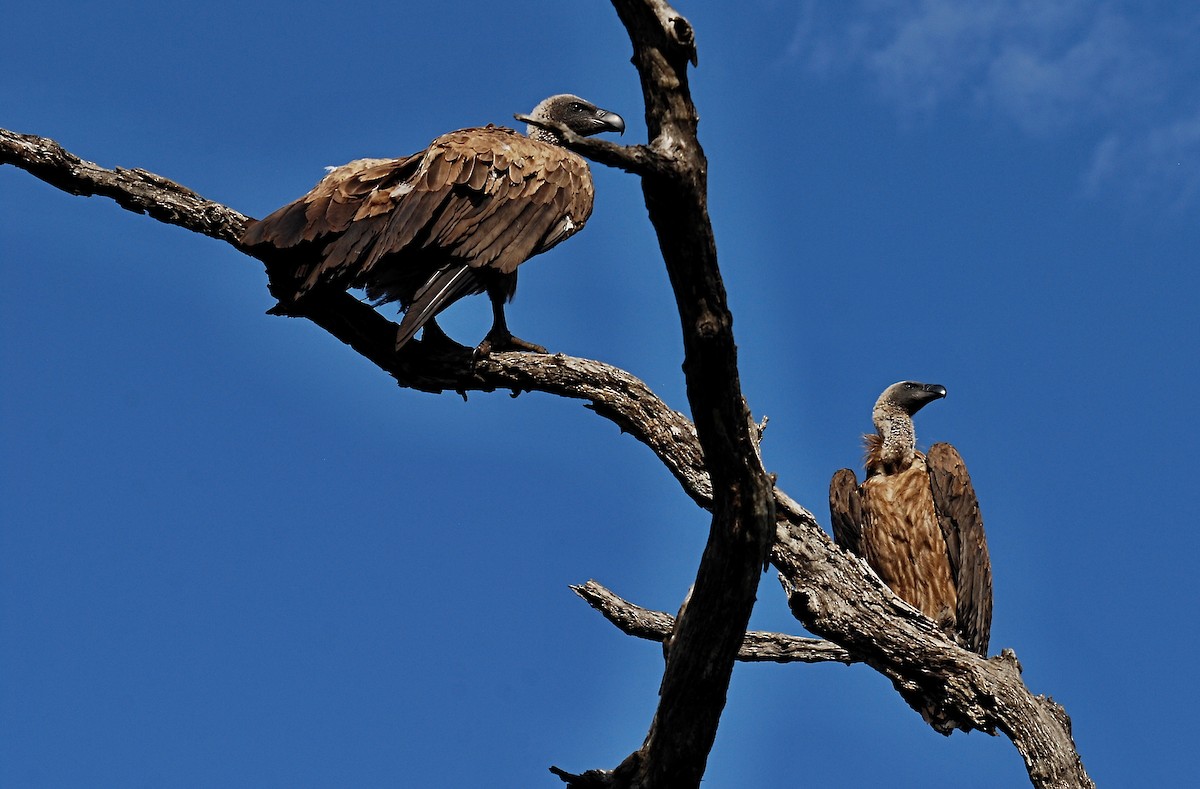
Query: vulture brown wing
pixel 962 527
pixel 331 205
pixel 488 197
pixel 343 211
pixel 509 197
pixel 845 510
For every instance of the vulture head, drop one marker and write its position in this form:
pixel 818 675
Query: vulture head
pixel 578 115
pixel 896 440
pixel 909 396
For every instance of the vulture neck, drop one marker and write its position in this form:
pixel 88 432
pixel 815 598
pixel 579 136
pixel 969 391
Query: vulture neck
pixel 893 448
pixel 542 135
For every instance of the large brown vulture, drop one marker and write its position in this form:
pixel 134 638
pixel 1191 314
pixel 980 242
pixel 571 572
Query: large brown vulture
pixel 454 219
pixel 916 521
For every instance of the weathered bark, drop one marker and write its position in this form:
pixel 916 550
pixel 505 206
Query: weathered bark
pixel 136 190
pixel 757 646
pixel 835 595
pixel 715 460
pixel 711 626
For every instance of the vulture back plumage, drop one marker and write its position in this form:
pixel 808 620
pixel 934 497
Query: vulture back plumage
pixel 427 229
pixel 916 520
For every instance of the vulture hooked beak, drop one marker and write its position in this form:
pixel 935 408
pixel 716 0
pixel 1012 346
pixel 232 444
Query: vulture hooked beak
pixel 609 121
pixel 912 396
pixel 935 391
pixel 924 394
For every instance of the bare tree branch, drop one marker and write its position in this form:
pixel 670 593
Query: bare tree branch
pixel 636 159
pixel 835 596
pixel 757 647
pixel 710 628
pixel 136 190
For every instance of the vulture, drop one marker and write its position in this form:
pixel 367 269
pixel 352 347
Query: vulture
pixel 916 521
pixel 454 219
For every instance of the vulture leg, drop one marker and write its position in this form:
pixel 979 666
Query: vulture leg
pixel 499 338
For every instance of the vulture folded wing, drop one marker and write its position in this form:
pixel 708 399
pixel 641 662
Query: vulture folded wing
pixel 342 215
pixel 331 205
pixel 845 510
pixel 510 199
pixel 962 527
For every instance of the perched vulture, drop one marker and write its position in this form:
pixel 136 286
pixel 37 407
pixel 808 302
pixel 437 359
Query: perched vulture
pixel 916 521
pixel 454 219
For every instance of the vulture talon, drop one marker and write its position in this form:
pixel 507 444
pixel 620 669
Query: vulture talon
pixel 517 344
pixel 497 342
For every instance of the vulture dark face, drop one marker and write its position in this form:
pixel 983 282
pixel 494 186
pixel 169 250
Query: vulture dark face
pixel 578 115
pixel 912 396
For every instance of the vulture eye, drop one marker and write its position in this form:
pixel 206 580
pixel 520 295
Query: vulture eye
pixel 576 107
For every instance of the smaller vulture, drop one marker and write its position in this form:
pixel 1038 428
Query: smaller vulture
pixel 454 219
pixel 916 521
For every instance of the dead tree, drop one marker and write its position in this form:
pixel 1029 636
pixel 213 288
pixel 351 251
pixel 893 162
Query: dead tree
pixel 714 457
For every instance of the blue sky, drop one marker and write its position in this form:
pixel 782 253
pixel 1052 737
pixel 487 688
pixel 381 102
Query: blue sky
pixel 234 554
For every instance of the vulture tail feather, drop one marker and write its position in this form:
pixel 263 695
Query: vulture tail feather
pixel 447 286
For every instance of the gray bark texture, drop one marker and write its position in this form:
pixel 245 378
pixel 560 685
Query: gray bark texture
pixel 714 457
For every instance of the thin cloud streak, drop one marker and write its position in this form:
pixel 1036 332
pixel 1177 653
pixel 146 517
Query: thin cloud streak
pixel 1161 159
pixel 1044 66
